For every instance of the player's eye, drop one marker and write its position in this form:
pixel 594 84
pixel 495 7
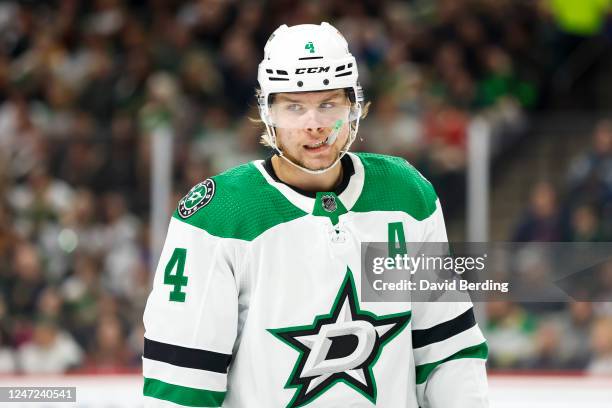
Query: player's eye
pixel 327 105
pixel 294 107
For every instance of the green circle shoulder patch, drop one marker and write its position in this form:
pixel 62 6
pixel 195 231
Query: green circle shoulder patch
pixel 199 196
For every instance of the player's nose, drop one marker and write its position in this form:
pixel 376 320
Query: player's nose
pixel 312 121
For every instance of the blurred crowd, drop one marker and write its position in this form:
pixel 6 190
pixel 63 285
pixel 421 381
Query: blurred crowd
pixel 84 85
pixel 575 335
pixel 581 208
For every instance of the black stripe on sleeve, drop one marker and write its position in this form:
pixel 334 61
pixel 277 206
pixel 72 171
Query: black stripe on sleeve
pixel 186 357
pixel 442 331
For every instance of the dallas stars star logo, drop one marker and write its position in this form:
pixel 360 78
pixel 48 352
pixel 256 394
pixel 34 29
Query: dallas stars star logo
pixel 199 196
pixel 341 346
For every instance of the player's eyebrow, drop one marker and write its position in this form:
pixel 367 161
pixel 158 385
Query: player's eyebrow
pixel 333 96
pixel 285 98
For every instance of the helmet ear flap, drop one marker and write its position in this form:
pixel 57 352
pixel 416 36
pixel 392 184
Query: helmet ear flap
pixel 264 111
pixel 355 96
pixel 355 112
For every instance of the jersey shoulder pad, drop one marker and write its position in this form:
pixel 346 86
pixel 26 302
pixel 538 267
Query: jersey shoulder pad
pixel 393 184
pixel 238 203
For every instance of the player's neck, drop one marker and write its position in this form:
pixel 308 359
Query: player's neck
pixel 295 177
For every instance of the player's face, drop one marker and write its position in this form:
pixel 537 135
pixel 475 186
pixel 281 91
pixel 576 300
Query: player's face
pixel 304 122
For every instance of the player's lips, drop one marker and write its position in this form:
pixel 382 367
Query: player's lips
pixel 317 147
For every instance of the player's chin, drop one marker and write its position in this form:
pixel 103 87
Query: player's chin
pixel 319 161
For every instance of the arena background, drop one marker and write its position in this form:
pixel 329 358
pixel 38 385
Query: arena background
pixel 108 105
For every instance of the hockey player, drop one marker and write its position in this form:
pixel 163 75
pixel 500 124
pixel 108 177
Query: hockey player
pixel 256 300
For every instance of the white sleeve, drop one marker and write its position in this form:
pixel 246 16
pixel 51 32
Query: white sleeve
pixel 458 383
pixel 449 349
pixel 190 320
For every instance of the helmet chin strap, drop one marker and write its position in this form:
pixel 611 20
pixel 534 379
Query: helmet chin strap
pixel 330 140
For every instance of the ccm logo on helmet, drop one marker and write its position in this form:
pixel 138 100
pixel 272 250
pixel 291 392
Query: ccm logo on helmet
pixel 311 70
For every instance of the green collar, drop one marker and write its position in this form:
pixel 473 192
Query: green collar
pixel 327 204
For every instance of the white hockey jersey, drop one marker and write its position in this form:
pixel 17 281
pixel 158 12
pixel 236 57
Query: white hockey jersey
pixel 256 299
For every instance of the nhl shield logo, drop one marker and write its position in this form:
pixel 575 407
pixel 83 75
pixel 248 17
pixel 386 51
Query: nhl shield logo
pixel 329 203
pixel 199 196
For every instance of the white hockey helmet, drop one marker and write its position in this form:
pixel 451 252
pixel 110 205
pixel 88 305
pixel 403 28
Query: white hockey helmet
pixel 305 58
